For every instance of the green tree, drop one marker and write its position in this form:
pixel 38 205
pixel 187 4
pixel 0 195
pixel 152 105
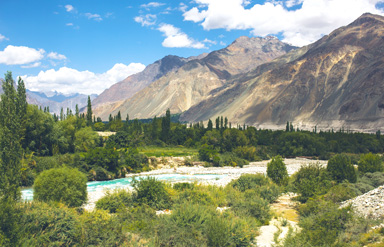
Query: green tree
pixel 66 185
pixel 166 126
pixel 89 112
pixel 85 139
pixel 152 192
pixel 340 169
pixel 10 163
pixel 210 125
pixel 277 171
pixel 370 163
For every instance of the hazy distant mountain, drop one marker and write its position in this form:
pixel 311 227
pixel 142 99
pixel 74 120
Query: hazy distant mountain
pixel 334 82
pixel 125 89
pixel 194 81
pixel 55 101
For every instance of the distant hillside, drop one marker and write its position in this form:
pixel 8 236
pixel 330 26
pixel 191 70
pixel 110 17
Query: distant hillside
pixel 334 82
pixel 197 79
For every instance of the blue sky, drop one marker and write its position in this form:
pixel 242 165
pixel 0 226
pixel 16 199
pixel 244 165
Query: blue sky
pixel 87 45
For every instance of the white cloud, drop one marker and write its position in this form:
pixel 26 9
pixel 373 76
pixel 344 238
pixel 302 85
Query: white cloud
pixel 152 5
pixel 183 7
pixel 299 27
pixel 33 65
pixel 69 24
pixel 67 80
pixel 69 8
pixel 56 56
pixel 95 17
pixel 2 37
pixel 18 55
pixel 176 38
pixel 146 20
pixel 210 41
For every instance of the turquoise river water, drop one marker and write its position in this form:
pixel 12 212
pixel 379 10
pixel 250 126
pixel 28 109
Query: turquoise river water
pixel 94 186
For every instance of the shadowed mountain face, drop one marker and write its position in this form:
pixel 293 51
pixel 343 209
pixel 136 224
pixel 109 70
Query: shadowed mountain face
pixel 197 79
pixel 336 82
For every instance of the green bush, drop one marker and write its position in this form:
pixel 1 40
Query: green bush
pixel 152 192
pixel 311 181
pixel 218 230
pixel 255 207
pixel 277 171
pixel 67 185
pixel 195 197
pixel 268 192
pixel 207 152
pixel 340 169
pixel 370 163
pixel 341 192
pixel 183 186
pixel 229 159
pixel 247 152
pixel 115 200
pixel 49 225
pixel 249 181
pixel 375 179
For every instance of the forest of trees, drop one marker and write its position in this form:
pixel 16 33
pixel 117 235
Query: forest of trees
pixel 38 148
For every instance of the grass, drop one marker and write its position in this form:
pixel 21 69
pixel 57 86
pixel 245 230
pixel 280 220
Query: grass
pixel 178 151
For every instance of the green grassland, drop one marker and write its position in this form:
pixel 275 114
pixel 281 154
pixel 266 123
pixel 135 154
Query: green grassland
pixel 178 151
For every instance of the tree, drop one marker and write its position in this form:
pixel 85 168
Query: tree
pixel 210 125
pixel 218 123
pixel 277 171
pixel 77 111
pixel 89 112
pixel 85 139
pixel 340 168
pixel 66 185
pixel 370 163
pixel 166 126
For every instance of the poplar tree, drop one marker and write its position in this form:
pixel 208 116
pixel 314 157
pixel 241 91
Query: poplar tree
pixel 210 125
pixel 89 112
pixel 166 126
pixel 10 165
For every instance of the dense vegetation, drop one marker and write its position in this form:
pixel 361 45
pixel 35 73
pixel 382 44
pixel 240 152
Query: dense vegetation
pixel 58 154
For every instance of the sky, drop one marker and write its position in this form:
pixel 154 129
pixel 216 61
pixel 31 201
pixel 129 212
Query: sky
pixel 85 46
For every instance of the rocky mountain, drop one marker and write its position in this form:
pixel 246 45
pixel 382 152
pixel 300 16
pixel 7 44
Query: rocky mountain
pixel 55 101
pixel 334 82
pixel 125 89
pixel 199 78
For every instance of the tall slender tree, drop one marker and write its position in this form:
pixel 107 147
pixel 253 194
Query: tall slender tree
pixel 89 112
pixel 166 126
pixel 10 165
pixel 210 125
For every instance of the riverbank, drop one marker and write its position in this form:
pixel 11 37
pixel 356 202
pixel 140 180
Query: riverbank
pixel 293 165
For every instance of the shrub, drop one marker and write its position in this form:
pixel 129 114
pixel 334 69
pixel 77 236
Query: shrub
pixel 195 197
pixel 229 159
pixel 255 207
pixel 340 169
pixel 49 225
pixel 219 232
pixel 310 181
pixel 152 192
pixel 370 163
pixel 341 192
pixel 248 153
pixel 249 181
pixel 183 186
pixel 277 171
pixel 115 200
pixel 269 193
pixel 375 179
pixel 67 185
pixel 207 152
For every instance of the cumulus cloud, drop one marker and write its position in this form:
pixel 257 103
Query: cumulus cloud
pixel 299 26
pixel 95 17
pixel 176 38
pixel 69 8
pixel 2 37
pixel 18 55
pixel 56 56
pixel 33 65
pixel 146 20
pixel 67 80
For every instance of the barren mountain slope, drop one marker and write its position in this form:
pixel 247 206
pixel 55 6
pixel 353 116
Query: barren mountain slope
pixel 193 82
pixel 337 81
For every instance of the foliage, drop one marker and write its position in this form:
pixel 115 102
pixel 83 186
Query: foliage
pixel 375 179
pixel 152 192
pixel 207 153
pixel 247 152
pixel 49 225
pixel 277 171
pixel 249 181
pixel 341 192
pixel 177 151
pixel 370 163
pixel 311 181
pixel 85 139
pixel 340 169
pixel 228 159
pixel 255 207
pixel 115 200
pixel 66 185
